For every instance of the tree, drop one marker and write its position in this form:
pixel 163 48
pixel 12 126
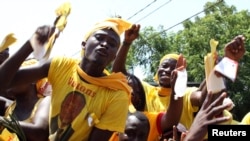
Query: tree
pixel 220 22
pixel 149 48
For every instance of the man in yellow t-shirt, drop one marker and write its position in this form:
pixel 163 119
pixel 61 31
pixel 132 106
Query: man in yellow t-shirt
pixel 158 97
pixel 86 104
pixel 96 105
pixel 159 121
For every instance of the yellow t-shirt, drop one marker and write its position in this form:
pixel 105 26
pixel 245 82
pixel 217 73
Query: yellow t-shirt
pixel 153 102
pixel 77 106
pixel 187 116
pixel 231 121
pixel 156 103
pixel 154 121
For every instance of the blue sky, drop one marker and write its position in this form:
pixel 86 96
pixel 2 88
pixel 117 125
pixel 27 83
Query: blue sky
pixel 22 17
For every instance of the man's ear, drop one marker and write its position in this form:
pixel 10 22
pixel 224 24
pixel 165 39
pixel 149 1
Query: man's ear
pixel 83 44
pixel 83 48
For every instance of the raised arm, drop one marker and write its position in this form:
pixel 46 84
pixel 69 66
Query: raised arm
pixel 10 75
pixel 198 96
pixel 174 111
pixel 235 49
pixel 205 117
pixel 120 61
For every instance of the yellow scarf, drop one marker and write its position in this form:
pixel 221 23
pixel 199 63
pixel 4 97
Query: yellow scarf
pixel 114 81
pixel 164 91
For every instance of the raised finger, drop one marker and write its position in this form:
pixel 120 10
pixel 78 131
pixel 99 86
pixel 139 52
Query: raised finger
pixel 207 101
pixel 179 61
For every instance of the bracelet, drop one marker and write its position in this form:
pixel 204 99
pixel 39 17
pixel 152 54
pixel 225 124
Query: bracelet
pixel 126 43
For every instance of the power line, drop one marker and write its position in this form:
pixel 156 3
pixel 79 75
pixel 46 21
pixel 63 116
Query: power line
pixel 76 53
pixel 153 11
pixel 142 9
pixel 153 36
pixel 219 1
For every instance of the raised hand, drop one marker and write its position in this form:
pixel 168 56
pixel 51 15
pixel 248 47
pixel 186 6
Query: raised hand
pixel 43 33
pixel 235 49
pixel 132 33
pixel 180 65
pixel 206 116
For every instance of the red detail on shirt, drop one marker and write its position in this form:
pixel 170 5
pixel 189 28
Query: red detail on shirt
pixel 158 122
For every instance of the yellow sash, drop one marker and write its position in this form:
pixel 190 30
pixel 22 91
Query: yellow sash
pixel 115 81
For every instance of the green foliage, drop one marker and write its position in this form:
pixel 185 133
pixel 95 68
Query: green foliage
pixel 220 22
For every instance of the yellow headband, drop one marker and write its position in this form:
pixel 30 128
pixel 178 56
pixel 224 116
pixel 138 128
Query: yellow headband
pixel 119 25
pixel 167 56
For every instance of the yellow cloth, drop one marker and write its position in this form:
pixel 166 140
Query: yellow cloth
pixel 246 119
pixel 154 134
pixel 164 95
pixel 109 106
pixel 188 110
pixel 164 91
pixel 6 135
pixel 7 41
pixel 231 121
pixel 29 62
pixel 11 108
pixel 131 108
pixel 210 58
pixel 167 56
pixel 115 81
pixel 157 100
pixel 117 24
pixel 114 137
pixel 153 102
pixel 42 85
pixel 62 12
pixel 187 116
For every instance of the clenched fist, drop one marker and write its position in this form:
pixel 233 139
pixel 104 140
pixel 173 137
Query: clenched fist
pixel 43 33
pixel 235 49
